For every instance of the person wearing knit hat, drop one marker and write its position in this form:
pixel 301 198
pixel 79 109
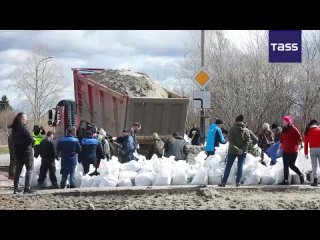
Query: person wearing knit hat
pixel 157 147
pixel 290 139
pixel 287 119
pixel 266 139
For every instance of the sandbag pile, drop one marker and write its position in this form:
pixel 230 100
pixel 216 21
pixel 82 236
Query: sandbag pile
pixel 166 171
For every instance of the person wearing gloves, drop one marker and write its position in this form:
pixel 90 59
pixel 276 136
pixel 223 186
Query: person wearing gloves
pixel 290 140
pixel 195 135
pixel 239 140
pixel 312 139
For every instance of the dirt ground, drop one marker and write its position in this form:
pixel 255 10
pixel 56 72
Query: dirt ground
pixel 287 198
pixel 157 198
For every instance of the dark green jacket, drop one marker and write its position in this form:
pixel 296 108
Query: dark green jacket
pixel 239 138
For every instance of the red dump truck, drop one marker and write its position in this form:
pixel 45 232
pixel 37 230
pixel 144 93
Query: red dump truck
pixel 99 106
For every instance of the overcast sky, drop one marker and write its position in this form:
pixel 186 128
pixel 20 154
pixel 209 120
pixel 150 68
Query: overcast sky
pixel 157 53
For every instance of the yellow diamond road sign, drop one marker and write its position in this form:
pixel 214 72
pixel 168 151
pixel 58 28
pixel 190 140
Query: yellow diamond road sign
pixel 202 78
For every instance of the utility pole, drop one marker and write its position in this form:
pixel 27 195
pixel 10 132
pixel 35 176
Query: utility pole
pixel 202 118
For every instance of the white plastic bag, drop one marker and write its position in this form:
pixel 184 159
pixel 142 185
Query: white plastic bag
pixel 201 177
pixel 125 182
pixel 253 179
pixel 86 181
pixel 106 182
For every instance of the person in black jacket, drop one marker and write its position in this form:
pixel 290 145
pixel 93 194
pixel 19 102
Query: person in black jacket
pixel 48 155
pixel 176 146
pixel 195 135
pixel 22 141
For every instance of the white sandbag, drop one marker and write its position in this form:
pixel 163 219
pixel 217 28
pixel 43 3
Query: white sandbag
pixel 214 180
pixel 164 176
pixel 190 171
pixel 143 179
pixel 96 181
pixel 34 179
pixel 187 139
pixel 86 181
pixel 127 174
pixel 156 163
pixel 132 166
pixel 106 182
pixel 78 175
pixel 180 177
pixel 267 180
pixel 139 156
pixel 200 158
pixel 125 182
pixel 146 166
pixel 201 177
pixel 252 180
pixel 267 176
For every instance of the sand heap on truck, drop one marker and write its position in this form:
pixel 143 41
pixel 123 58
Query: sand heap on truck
pixel 134 84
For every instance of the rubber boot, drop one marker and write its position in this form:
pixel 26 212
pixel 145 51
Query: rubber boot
pixel 315 182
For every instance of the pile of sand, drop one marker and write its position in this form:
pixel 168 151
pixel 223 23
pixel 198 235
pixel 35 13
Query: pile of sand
pixel 133 84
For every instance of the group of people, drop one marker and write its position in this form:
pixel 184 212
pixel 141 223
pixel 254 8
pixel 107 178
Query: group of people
pixel 288 137
pixel 93 147
pixel 90 149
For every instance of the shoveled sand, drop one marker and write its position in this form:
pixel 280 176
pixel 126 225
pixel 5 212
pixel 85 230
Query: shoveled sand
pixel 131 83
pixel 198 198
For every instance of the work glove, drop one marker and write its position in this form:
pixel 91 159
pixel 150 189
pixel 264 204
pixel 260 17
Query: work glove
pixel 240 152
pixel 307 156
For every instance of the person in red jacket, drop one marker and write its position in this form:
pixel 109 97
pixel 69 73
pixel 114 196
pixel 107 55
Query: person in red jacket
pixel 290 140
pixel 312 138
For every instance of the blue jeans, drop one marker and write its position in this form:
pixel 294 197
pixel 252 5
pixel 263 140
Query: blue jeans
pixel 64 180
pixel 230 161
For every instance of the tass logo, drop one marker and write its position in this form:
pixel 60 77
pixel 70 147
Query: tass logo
pixel 284 46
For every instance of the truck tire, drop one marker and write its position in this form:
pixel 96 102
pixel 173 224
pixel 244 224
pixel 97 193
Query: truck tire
pixel 70 112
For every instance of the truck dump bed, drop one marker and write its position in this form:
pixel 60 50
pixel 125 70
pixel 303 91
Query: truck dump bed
pixel 114 111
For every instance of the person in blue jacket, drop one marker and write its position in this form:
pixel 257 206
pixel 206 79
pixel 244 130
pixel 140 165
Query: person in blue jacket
pixel 214 137
pixel 128 146
pixel 68 147
pixel 91 151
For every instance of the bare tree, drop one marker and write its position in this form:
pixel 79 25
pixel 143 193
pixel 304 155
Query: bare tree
pixel 245 82
pixel 6 118
pixel 40 80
